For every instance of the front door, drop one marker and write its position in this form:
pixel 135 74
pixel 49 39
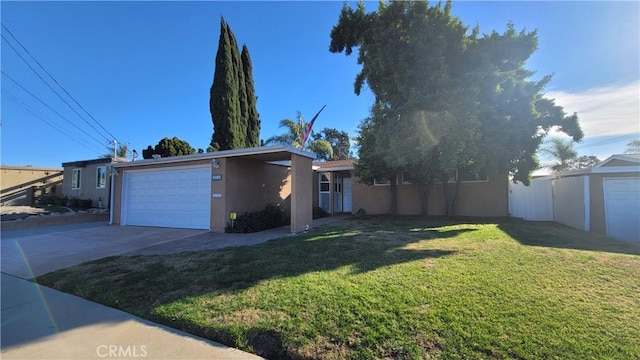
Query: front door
pixel 337 193
pixel 346 195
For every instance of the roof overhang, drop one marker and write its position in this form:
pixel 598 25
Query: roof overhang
pixel 263 153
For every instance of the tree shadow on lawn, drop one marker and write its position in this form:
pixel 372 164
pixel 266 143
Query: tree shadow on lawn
pixel 141 284
pixel 552 234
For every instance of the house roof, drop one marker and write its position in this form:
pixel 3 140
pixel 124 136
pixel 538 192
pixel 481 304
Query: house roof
pixel 335 165
pixel 81 163
pixel 263 153
pixel 620 163
pixel 28 168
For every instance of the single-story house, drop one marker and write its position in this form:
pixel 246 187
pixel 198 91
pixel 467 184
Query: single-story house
pixel 200 191
pixel 21 185
pixel 603 199
pixel 89 179
pixel 337 190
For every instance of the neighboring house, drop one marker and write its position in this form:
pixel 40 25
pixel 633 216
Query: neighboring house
pixel 22 185
pixel 200 191
pixel 89 179
pixel 603 199
pixel 337 190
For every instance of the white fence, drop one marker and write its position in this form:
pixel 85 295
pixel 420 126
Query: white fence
pixel 533 202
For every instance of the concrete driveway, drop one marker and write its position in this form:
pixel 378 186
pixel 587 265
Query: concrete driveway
pixel 36 251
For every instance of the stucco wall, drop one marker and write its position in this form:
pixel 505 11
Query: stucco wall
pixel 474 198
pixel 596 195
pixel 88 189
pixel 18 183
pixel 568 201
pixel 301 193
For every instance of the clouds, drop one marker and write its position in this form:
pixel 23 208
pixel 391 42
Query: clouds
pixel 604 111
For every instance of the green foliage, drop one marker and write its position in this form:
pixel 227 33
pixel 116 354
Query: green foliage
pixel 121 152
pixel 339 141
pixel 292 137
pixel 360 213
pixel 232 100
pixel 253 118
pixel 272 216
pixel 565 157
pixel 633 147
pixel 445 98
pixel 168 147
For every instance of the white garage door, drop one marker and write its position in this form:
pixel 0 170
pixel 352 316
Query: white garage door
pixel 175 197
pixel 622 208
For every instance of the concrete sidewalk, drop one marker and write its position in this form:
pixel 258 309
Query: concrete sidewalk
pixel 42 323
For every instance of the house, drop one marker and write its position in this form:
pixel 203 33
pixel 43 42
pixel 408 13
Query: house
pixel 89 179
pixel 337 190
pixel 21 185
pixel 603 199
pixel 202 191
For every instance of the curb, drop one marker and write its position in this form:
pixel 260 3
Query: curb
pixel 37 221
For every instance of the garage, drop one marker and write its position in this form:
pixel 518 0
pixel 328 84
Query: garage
pixel 622 208
pixel 177 197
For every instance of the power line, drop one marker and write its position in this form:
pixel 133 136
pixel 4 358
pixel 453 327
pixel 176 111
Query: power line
pixel 51 88
pixel 50 108
pixel 29 109
pixel 57 83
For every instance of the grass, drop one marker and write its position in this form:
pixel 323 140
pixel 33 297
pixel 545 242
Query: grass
pixel 391 288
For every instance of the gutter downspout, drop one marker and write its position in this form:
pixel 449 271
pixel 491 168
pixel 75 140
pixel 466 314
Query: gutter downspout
pixel 111 195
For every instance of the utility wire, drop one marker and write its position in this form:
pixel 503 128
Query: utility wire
pixel 29 109
pixel 54 91
pixel 57 83
pixel 50 108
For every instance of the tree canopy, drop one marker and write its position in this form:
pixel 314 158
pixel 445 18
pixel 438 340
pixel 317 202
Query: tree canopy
pixel 232 101
pixel 292 137
pixel 339 141
pixel 169 147
pixel 445 97
pixel 564 157
pixel 633 147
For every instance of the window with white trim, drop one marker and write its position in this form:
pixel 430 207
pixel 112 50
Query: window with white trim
pixel 76 179
pixel 101 177
pixel 324 191
pixel 381 182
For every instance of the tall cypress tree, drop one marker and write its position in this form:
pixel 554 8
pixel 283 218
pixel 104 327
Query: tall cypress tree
pixel 224 102
pixel 232 98
pixel 253 118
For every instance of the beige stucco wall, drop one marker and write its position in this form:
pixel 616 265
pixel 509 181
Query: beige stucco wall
pixel 88 189
pixel 596 197
pixel 568 201
pixel 17 183
pixel 301 193
pixel 474 198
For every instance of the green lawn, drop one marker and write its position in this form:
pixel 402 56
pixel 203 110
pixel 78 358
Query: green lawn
pixel 400 288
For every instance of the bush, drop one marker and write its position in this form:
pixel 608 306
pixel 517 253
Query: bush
pixel 72 203
pixel 46 200
pixel 360 213
pixel 85 203
pixel 319 212
pixel 59 201
pixel 272 216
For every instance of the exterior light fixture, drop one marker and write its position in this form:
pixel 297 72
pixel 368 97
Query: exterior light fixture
pixel 214 163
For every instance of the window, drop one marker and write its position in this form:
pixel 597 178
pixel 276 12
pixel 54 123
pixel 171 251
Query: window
pixel 381 182
pixel 101 177
pixel 466 174
pixel 75 179
pixel 324 197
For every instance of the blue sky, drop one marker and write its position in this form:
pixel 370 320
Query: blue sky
pixel 143 70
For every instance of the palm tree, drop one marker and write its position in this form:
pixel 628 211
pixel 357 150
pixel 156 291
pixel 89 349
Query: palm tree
pixel 293 137
pixel 562 153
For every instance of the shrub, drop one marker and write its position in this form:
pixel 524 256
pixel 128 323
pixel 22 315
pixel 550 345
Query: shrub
pixel 59 201
pixel 360 213
pixel 85 203
pixel 272 216
pixel 319 212
pixel 72 203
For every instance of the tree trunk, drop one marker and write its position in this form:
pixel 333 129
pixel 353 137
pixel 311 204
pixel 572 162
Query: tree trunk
pixel 454 201
pixel 394 195
pixel 445 192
